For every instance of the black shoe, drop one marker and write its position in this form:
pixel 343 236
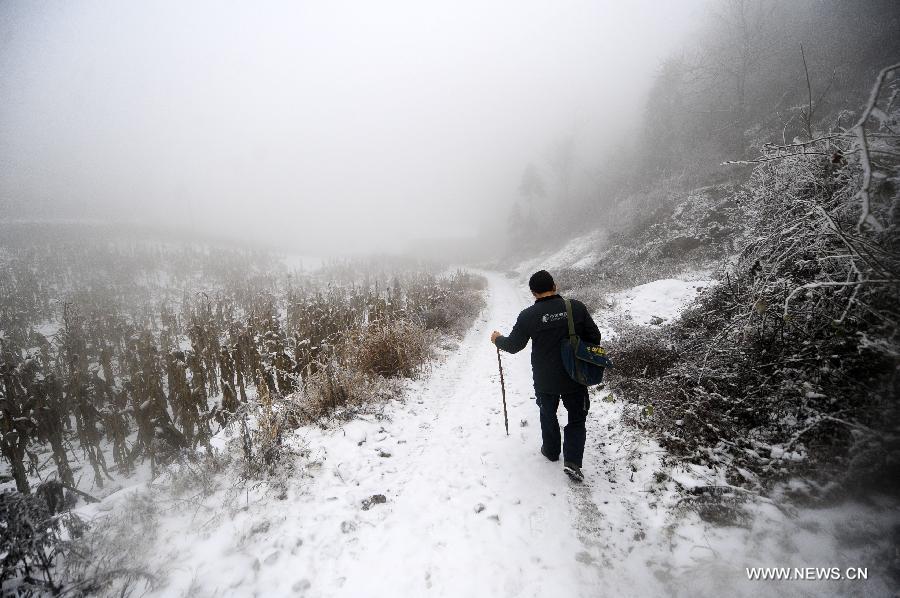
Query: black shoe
pixel 573 471
pixel 549 458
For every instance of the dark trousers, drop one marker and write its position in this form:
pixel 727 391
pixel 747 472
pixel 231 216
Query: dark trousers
pixel 577 405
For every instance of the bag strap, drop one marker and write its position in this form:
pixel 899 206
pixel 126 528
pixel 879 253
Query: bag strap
pixel 573 342
pixel 573 338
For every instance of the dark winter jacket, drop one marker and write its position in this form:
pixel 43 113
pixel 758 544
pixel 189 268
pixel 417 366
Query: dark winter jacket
pixel 545 323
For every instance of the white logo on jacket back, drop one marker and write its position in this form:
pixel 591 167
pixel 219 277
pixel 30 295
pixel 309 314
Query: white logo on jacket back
pixel 553 317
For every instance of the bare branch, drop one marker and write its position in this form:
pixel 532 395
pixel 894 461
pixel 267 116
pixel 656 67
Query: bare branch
pixel 859 128
pixel 816 285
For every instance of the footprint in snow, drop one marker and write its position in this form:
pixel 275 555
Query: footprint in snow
pixel 584 557
pixel 301 586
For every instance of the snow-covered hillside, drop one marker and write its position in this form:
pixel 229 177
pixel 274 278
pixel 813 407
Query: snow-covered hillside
pixel 579 252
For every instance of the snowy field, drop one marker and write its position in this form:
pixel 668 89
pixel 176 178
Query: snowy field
pixel 432 498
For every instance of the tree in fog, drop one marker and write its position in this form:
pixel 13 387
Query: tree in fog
pixel 562 162
pixel 665 127
pixel 738 44
pixel 528 214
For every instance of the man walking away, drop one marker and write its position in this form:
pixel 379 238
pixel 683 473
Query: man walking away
pixel 546 324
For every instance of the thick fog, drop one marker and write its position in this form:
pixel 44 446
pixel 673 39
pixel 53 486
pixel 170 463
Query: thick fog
pixel 321 126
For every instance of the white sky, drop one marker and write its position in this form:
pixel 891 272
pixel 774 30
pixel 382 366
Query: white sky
pixel 326 126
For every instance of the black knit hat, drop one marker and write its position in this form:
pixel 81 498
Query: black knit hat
pixel 540 282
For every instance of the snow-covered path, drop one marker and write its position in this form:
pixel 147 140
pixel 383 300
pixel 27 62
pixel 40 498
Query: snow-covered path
pixel 469 511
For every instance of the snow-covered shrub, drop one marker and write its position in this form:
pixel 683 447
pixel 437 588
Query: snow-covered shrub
pixel 791 361
pixel 31 541
pixel 458 305
pixel 197 474
pixel 106 560
pixel 392 348
pixel 641 351
pixel 331 391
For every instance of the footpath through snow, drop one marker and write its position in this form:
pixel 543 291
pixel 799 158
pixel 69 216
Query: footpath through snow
pixel 434 499
pixel 469 511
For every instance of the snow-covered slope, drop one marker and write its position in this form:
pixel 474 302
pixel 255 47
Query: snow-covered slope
pixel 659 301
pixel 580 252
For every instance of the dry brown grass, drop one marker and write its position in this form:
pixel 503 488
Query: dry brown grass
pixel 395 348
pixel 326 392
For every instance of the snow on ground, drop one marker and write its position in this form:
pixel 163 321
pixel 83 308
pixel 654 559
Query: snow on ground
pixel 434 499
pixel 657 302
pixel 49 329
pixel 580 252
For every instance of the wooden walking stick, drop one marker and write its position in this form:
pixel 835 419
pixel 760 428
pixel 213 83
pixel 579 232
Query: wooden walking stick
pixel 503 390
